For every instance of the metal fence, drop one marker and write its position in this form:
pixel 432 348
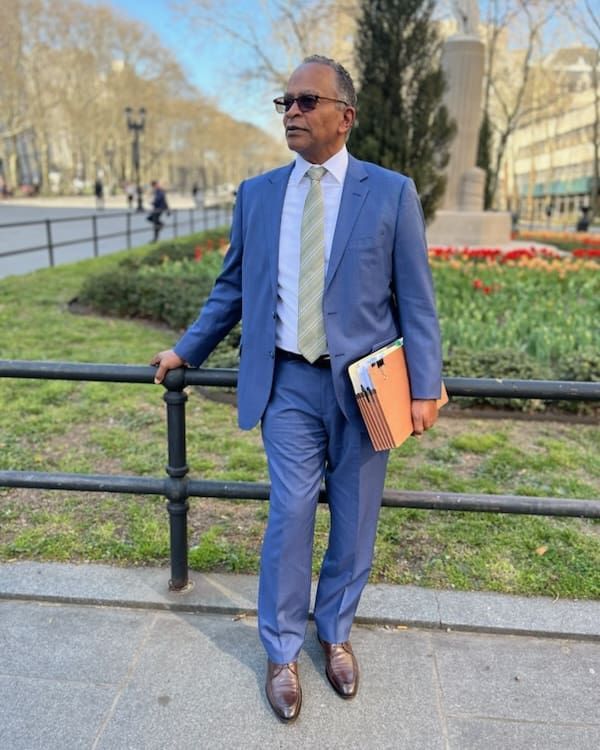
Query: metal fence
pixel 178 488
pixel 124 225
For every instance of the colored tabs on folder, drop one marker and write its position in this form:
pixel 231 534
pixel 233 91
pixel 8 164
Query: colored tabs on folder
pixel 382 388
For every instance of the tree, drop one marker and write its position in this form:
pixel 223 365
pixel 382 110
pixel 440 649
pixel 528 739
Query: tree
pixel 402 122
pixel 14 120
pixel 73 70
pixel 270 44
pixel 516 87
pixel 484 157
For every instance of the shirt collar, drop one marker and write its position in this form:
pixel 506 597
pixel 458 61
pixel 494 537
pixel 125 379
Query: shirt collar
pixel 336 165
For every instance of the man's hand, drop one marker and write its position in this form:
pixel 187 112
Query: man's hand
pixel 166 361
pixel 424 415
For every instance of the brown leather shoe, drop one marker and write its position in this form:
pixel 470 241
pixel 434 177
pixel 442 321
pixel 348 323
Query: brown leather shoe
pixel 283 690
pixel 341 668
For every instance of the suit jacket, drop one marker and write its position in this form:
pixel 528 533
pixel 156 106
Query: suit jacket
pixel 378 286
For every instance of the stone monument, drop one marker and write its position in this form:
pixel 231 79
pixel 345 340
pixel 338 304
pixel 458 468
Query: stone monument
pixel 461 219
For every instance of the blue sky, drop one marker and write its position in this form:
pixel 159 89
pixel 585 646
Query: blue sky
pixel 208 66
pixel 173 33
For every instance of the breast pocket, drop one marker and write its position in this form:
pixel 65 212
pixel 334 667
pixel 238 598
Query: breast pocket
pixel 369 255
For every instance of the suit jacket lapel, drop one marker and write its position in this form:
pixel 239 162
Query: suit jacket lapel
pixel 272 205
pixel 354 192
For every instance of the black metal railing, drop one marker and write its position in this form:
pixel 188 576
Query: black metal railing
pixel 178 488
pixel 129 223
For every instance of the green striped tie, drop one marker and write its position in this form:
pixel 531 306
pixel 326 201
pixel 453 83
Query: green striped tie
pixel 311 330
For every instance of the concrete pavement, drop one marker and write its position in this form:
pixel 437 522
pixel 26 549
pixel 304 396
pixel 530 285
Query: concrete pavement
pixel 88 202
pixel 106 658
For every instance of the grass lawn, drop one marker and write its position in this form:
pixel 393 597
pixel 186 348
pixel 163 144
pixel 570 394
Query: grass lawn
pixel 120 429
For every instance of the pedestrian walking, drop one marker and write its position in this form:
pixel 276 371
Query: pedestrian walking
pixel 130 194
pixel 99 193
pixel 159 206
pixel 197 195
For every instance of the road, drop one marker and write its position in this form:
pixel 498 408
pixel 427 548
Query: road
pixel 113 220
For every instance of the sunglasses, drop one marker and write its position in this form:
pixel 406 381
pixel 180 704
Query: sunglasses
pixel 305 102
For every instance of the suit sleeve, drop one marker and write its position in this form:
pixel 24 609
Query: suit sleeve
pixel 415 297
pixel 223 308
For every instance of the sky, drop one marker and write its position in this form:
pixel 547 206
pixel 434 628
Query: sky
pixel 172 31
pixel 206 66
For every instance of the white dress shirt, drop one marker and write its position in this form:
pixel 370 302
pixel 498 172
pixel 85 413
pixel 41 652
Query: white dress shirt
pixel 298 185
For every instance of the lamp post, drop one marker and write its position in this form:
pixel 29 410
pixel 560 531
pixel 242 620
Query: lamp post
pixel 136 126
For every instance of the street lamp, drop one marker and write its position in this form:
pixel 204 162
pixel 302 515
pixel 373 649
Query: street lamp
pixel 136 127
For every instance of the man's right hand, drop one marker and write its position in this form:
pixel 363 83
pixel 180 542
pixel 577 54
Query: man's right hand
pixel 166 361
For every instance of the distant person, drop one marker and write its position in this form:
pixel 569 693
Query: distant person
pixel 159 206
pixel 130 194
pixel 197 195
pixel 514 217
pixel 99 193
pixel 584 220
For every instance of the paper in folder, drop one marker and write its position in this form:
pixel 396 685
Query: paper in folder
pixel 382 389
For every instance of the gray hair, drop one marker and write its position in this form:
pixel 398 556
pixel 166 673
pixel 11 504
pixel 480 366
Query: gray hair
pixel 345 85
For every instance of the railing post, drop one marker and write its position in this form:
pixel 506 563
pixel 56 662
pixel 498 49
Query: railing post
pixel 191 221
pixel 177 468
pixel 50 245
pixel 175 212
pixel 95 236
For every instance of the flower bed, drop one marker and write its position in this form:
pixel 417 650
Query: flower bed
pixel 493 253
pixel 565 240
pixel 527 313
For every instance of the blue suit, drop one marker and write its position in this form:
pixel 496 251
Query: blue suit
pixel 377 287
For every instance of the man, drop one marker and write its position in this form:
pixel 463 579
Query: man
pixel 99 193
pixel 159 204
pixel 362 228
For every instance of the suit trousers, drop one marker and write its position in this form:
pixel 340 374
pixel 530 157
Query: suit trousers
pixel 308 439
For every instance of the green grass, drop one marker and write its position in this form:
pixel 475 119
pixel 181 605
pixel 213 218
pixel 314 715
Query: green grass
pixel 120 429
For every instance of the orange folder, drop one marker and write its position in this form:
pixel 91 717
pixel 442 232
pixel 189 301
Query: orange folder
pixel 382 388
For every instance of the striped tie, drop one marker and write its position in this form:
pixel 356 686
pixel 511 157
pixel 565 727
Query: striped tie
pixel 311 330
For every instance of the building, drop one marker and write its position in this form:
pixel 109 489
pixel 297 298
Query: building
pixel 549 171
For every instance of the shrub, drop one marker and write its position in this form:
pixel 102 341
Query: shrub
pixel 583 366
pixel 179 249
pixel 170 293
pixel 503 364
pixel 166 285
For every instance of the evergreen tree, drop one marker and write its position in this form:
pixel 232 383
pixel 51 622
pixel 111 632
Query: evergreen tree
pixel 484 158
pixel 402 123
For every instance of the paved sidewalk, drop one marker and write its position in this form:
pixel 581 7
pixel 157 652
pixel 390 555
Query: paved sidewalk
pixel 99 657
pixel 88 202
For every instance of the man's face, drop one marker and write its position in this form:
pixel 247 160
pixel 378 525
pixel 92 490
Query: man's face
pixel 320 133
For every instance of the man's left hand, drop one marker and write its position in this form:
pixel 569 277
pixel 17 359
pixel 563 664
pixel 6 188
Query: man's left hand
pixel 424 415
